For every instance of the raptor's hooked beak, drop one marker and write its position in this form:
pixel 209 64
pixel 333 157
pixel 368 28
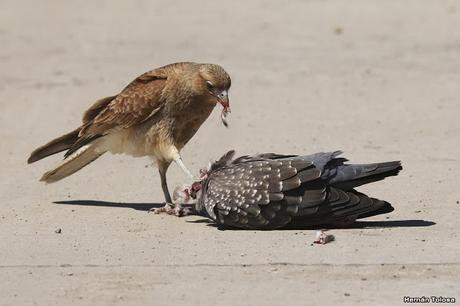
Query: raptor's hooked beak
pixel 223 100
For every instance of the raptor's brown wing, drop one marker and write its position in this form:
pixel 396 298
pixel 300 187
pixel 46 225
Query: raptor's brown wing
pixel 96 108
pixel 139 101
pixel 136 103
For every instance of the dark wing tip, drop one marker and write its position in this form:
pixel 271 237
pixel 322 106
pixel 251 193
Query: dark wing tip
pixel 337 153
pixel 224 160
pixel 227 156
pixel 31 159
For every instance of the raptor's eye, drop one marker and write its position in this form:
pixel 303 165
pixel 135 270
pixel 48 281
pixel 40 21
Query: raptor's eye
pixel 210 85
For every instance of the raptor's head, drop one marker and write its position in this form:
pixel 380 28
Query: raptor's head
pixel 216 83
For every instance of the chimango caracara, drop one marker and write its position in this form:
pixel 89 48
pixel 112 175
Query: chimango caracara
pixel 155 115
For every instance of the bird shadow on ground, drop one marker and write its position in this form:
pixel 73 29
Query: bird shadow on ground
pixel 391 223
pixel 356 225
pixel 136 206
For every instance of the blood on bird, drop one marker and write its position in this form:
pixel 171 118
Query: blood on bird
pixel 323 238
pixel 196 187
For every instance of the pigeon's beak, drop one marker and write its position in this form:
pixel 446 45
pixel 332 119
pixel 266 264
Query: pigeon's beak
pixel 223 100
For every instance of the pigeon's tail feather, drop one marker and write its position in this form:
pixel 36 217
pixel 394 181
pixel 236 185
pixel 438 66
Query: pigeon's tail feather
pixel 351 176
pixel 74 162
pixel 359 206
pixel 367 208
pixel 54 146
pixel 343 208
pixel 382 207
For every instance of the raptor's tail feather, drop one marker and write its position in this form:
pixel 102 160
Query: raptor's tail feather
pixel 54 146
pixel 74 162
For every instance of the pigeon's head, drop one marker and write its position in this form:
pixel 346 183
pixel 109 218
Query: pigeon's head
pixel 216 83
pixel 181 194
pixel 186 193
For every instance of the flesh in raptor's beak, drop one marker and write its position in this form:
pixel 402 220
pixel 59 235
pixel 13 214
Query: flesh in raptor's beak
pixel 223 100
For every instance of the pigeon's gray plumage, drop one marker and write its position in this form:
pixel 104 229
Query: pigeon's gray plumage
pixel 270 191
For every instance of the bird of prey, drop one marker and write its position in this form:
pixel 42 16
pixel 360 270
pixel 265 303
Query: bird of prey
pixel 155 115
pixel 270 191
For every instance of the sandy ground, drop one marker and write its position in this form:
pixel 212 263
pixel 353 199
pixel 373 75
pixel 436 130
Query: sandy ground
pixel 377 79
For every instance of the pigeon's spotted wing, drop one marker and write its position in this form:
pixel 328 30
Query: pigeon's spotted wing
pixel 270 191
pixel 253 194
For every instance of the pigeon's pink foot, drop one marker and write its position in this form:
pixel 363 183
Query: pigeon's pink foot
pixel 173 210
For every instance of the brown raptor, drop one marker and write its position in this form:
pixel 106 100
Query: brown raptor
pixel 155 115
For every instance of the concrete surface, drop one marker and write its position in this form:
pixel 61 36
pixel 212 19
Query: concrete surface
pixel 377 79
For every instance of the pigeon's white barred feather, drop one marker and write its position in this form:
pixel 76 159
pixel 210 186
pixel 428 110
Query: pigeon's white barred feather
pixel 270 191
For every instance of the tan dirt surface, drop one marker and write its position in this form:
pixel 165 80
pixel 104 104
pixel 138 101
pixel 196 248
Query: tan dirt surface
pixel 377 79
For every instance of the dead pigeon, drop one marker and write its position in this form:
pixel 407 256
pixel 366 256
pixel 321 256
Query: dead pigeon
pixel 270 191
